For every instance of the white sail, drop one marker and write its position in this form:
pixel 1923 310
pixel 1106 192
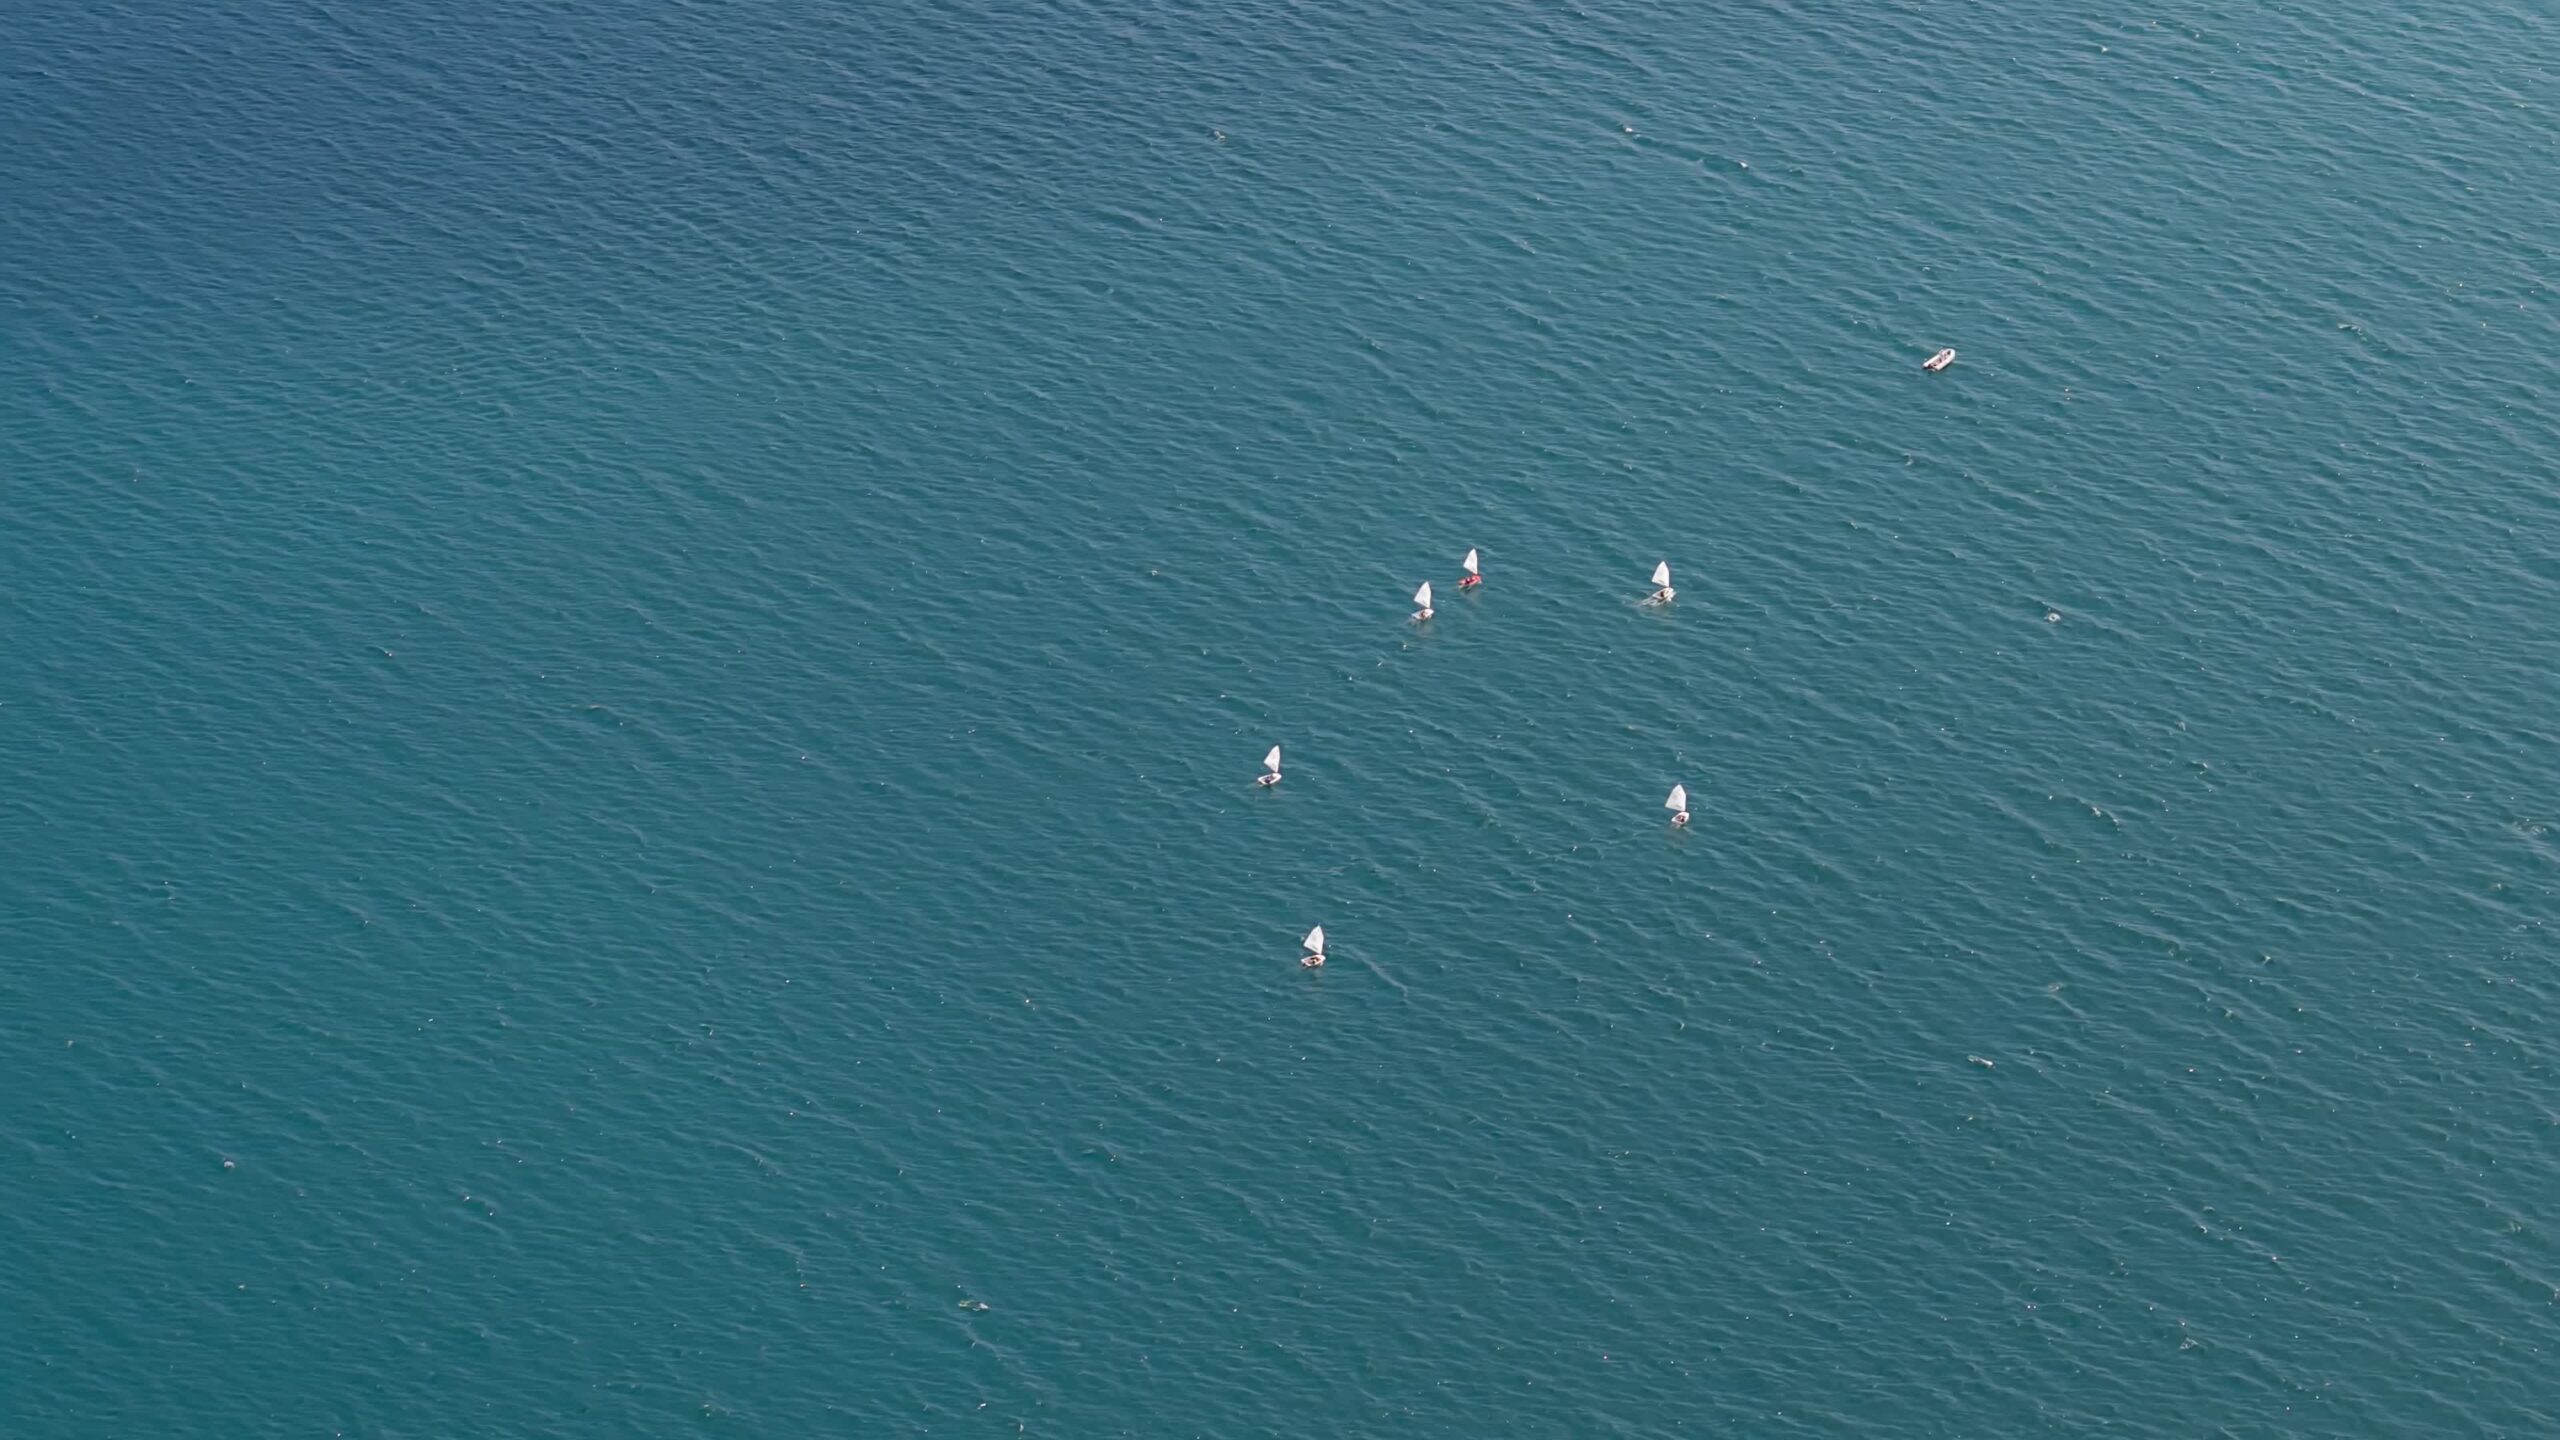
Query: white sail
pixel 1314 941
pixel 1271 762
pixel 1422 597
pixel 1679 798
pixel 1662 573
pixel 1469 564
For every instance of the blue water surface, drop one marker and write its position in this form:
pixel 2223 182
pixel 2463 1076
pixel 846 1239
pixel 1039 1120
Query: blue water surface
pixel 636 638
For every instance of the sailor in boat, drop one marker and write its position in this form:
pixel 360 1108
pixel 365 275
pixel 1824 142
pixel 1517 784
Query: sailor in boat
pixel 1939 361
pixel 1422 598
pixel 1474 577
pixel 1678 804
pixel 1270 767
pixel 1662 594
pixel 1314 944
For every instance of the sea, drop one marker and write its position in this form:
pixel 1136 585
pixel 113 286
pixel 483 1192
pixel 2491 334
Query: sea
pixel 634 641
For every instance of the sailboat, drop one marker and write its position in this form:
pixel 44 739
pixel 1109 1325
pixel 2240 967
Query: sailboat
pixel 1662 594
pixel 1271 764
pixel 1422 597
pixel 1315 948
pixel 1474 576
pixel 1678 804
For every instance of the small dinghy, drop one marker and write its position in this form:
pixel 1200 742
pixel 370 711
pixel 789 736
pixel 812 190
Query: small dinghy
pixel 1271 765
pixel 1662 594
pixel 1474 576
pixel 1314 944
pixel 1678 804
pixel 1422 598
pixel 1939 361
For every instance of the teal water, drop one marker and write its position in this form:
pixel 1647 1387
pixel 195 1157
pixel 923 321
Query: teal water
pixel 636 638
